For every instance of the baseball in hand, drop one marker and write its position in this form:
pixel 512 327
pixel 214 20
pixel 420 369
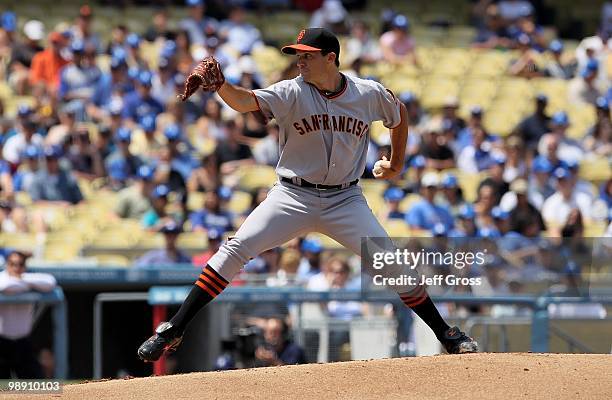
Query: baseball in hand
pixel 378 169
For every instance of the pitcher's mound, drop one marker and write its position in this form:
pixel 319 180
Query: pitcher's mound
pixel 470 376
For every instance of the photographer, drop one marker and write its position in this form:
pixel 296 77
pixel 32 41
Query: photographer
pixel 278 348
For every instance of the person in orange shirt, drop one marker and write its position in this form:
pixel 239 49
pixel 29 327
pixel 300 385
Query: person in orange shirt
pixel 46 64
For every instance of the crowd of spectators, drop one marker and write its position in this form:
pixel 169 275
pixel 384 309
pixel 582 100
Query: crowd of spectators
pixel 117 123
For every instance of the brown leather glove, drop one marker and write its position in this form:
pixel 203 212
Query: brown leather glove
pixel 206 75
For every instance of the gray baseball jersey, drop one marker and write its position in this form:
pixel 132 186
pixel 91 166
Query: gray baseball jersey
pixel 323 139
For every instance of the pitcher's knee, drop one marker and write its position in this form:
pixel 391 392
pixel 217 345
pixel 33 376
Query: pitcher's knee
pixel 230 258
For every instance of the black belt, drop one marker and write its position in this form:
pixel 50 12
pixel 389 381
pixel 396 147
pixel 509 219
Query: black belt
pixel 303 183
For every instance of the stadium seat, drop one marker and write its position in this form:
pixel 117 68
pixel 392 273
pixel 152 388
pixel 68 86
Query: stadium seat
pixel 114 239
pixel 192 240
pixel 240 202
pixel 86 188
pixel 12 103
pixel 150 52
pixel 373 186
pixel 112 260
pixel 195 200
pixel 255 176
pixel 594 229
pixel 460 36
pixel 401 83
pixel 60 252
pixel 436 90
pixel 408 201
pixel 595 169
pixel 379 133
pixel 327 242
pixel 489 64
pixel 420 233
pixel 203 145
pixel 375 202
pixel 5 91
pixel 397 228
pixel 55 217
pixel 269 60
pixel 499 123
pixel 469 184
pixel 23 241
pixel 151 241
pixel 69 232
pixel 23 198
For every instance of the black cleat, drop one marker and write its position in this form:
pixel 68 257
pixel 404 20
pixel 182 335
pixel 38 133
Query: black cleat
pixel 457 342
pixel 164 340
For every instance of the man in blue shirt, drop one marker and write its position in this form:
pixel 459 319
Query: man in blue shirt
pixel 181 160
pixel 212 215
pixel 393 196
pixel 424 214
pixel 122 155
pixel 170 254
pixel 140 102
pixel 55 184
pixel 111 86
pixel 478 155
pixel 79 79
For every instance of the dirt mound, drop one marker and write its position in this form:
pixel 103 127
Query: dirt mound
pixel 471 376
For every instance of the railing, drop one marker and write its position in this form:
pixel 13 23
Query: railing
pixel 540 326
pixel 56 300
pixel 170 295
pixel 503 321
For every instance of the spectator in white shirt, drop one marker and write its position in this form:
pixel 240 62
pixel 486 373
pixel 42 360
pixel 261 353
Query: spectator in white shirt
pixel 16 354
pixel 596 47
pixel 361 45
pixel 266 150
pixel 197 24
pixel 580 185
pixel 569 150
pixel 540 187
pixel 586 88
pixel 557 207
pixel 26 135
pixel 332 16
pixel 240 35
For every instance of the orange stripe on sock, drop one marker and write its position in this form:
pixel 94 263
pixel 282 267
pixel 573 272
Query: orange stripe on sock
pixel 416 302
pixel 215 274
pixel 212 283
pixel 414 296
pixel 204 287
pixel 415 293
pixel 214 277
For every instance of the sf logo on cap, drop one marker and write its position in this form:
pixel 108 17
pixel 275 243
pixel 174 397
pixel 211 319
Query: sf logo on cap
pixel 301 35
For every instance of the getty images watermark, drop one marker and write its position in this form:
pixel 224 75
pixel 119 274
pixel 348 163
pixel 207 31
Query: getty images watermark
pixel 481 265
pixel 401 264
pixel 404 259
